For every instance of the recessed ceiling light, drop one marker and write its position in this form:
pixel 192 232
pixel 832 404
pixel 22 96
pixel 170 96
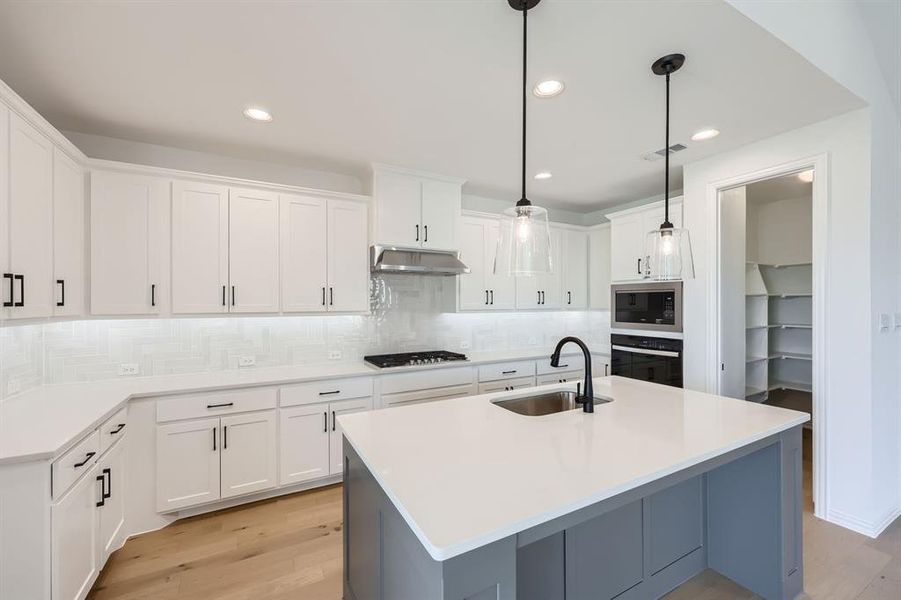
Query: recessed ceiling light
pixel 548 88
pixel 705 134
pixel 543 175
pixel 806 176
pixel 255 113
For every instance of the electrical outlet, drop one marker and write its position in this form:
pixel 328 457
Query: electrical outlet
pixel 533 341
pixel 335 354
pixel 464 345
pixel 13 386
pixel 129 369
pixel 247 361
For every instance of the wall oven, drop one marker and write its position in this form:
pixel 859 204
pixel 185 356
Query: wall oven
pixel 658 360
pixel 652 306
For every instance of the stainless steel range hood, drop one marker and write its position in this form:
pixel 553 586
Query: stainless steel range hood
pixel 415 261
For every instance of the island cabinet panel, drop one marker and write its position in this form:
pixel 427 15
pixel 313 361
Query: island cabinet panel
pixel 675 523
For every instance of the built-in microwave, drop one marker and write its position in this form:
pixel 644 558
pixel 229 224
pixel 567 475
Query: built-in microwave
pixel 647 306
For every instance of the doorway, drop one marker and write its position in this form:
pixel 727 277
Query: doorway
pixel 770 310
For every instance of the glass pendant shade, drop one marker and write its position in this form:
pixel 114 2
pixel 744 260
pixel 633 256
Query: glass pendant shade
pixel 668 253
pixel 524 244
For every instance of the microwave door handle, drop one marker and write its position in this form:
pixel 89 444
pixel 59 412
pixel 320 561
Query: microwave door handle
pixel 668 353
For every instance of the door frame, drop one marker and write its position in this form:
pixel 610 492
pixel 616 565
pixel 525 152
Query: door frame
pixel 820 206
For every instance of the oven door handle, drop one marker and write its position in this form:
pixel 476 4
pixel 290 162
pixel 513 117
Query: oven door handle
pixel 643 351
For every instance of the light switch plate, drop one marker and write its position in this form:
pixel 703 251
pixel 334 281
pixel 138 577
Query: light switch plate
pixel 128 369
pixel 247 361
pixel 335 354
pixel 464 345
pixel 884 322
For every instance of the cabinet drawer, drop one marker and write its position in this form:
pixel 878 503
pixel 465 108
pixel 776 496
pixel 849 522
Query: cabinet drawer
pixel 427 379
pixel 510 370
pixel 567 377
pixel 113 429
pixel 325 391
pixel 214 404
pixel 568 362
pixel 506 385
pixel 414 397
pixel 73 464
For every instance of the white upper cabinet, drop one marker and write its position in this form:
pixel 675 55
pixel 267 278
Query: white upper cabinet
pixel 199 247
pixel 481 289
pixel 128 224
pixel 30 222
pixel 68 236
pixel 415 209
pixel 544 291
pixel 574 294
pixel 599 267
pixel 628 237
pixel 253 251
pixel 348 265
pixel 324 255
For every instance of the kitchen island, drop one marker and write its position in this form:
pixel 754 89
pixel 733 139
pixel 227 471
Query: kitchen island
pixel 463 499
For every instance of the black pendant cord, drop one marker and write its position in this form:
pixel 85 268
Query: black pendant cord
pixel 666 223
pixel 525 32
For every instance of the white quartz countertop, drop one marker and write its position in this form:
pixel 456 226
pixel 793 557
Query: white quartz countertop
pixel 465 473
pixel 44 422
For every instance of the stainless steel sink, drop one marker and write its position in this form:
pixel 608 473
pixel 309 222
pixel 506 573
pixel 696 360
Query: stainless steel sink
pixel 546 403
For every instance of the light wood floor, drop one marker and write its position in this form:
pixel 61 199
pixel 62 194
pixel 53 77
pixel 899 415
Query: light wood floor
pixel 290 547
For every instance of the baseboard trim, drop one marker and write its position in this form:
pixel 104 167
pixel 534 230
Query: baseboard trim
pixel 867 528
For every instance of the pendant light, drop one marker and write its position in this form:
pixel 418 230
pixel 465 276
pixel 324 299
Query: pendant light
pixel 524 245
pixel 668 248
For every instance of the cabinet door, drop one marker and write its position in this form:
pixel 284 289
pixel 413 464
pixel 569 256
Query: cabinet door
pixel 126 216
pixel 30 220
pixel 112 514
pixel 626 242
pixel 348 262
pixel 575 270
pixel 399 209
pixel 440 213
pixel 253 251
pixel 528 291
pixel 502 287
pixel 199 247
pixel 473 286
pixel 304 443
pixel 249 458
pixel 187 463
pixel 552 283
pixel 599 268
pixel 74 539
pixel 304 245
pixel 68 236
pixel 336 436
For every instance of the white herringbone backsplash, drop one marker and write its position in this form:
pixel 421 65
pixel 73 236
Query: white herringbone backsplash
pixel 409 313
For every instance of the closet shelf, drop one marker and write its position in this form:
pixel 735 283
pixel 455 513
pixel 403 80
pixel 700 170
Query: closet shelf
pixel 782 265
pixel 793 355
pixel 790 295
pixel 798 386
pixel 790 326
pixel 757 326
pixel 753 359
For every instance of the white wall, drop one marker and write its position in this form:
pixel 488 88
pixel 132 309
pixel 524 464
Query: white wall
pixel 780 231
pixel 834 37
pixel 140 153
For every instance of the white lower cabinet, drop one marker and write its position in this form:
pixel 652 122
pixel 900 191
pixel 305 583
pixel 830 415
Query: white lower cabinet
pixel 311 441
pixel 506 385
pixel 566 377
pixel 187 463
pixel 111 512
pixel 249 453
pixel 74 555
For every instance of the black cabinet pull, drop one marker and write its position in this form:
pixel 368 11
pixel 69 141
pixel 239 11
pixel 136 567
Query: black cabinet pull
pixel 102 501
pixel 87 459
pixel 542 297
pixel 323 295
pixel 62 285
pixel 492 297
pixel 108 492
pixel 21 280
pixel 569 297
pixel 539 297
pixel 214 439
pixel 225 437
pixel 233 295
pixel 417 233
pixel 486 297
pixel 333 420
pixel 426 228
pixel 330 393
pixel 325 420
pixel 331 296
pixel 152 294
pixel 117 429
pixel 606 368
pixel 639 266
pixel 561 366
pixel 11 291
pixel 508 372
pixel 223 295
pixel 220 405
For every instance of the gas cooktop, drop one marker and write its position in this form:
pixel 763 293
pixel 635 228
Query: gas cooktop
pixel 407 359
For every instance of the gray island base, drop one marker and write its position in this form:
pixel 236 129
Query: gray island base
pixel 738 514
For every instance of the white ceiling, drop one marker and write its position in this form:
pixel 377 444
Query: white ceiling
pixel 431 85
pixel 785 187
